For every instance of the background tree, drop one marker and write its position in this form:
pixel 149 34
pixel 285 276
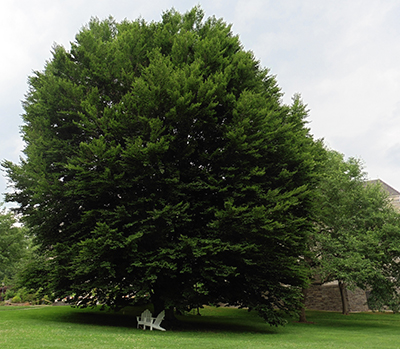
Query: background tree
pixel 160 161
pixel 35 273
pixel 383 287
pixel 13 245
pixel 358 232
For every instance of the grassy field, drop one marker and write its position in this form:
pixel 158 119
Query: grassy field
pixel 65 327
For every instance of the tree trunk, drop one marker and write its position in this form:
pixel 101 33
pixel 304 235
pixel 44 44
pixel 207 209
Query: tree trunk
pixel 158 300
pixel 302 317
pixel 344 297
pixel 158 303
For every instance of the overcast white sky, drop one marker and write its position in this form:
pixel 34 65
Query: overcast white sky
pixel 342 56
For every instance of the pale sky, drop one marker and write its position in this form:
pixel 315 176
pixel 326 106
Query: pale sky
pixel 342 56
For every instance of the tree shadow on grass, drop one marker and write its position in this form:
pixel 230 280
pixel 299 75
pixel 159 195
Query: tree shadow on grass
pixel 227 321
pixel 188 323
pixel 212 324
pixel 98 318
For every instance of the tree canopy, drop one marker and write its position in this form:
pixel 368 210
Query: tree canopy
pixel 161 163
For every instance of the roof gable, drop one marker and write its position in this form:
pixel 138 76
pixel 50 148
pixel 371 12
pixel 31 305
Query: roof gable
pixel 385 186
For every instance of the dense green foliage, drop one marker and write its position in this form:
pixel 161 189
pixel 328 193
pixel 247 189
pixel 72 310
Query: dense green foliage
pixel 358 240
pixel 160 161
pixel 13 245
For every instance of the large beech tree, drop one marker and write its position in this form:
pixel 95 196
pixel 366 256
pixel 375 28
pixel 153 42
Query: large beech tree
pixel 160 162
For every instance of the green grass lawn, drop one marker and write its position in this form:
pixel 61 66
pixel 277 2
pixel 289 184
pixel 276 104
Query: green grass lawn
pixel 65 327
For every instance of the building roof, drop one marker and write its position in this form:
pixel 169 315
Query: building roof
pixel 385 186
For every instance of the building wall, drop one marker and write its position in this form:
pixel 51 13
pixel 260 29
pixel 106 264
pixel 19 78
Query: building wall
pixel 327 297
pixel 395 202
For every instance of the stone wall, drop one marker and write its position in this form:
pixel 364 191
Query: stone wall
pixel 327 297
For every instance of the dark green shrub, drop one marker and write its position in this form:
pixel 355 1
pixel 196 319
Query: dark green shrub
pixel 31 298
pixel 10 293
pixel 23 294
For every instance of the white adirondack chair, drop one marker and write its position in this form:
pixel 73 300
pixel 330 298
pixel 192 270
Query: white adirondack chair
pixel 145 319
pixel 157 322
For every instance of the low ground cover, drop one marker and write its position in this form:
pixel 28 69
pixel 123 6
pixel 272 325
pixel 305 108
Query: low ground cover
pixel 66 327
